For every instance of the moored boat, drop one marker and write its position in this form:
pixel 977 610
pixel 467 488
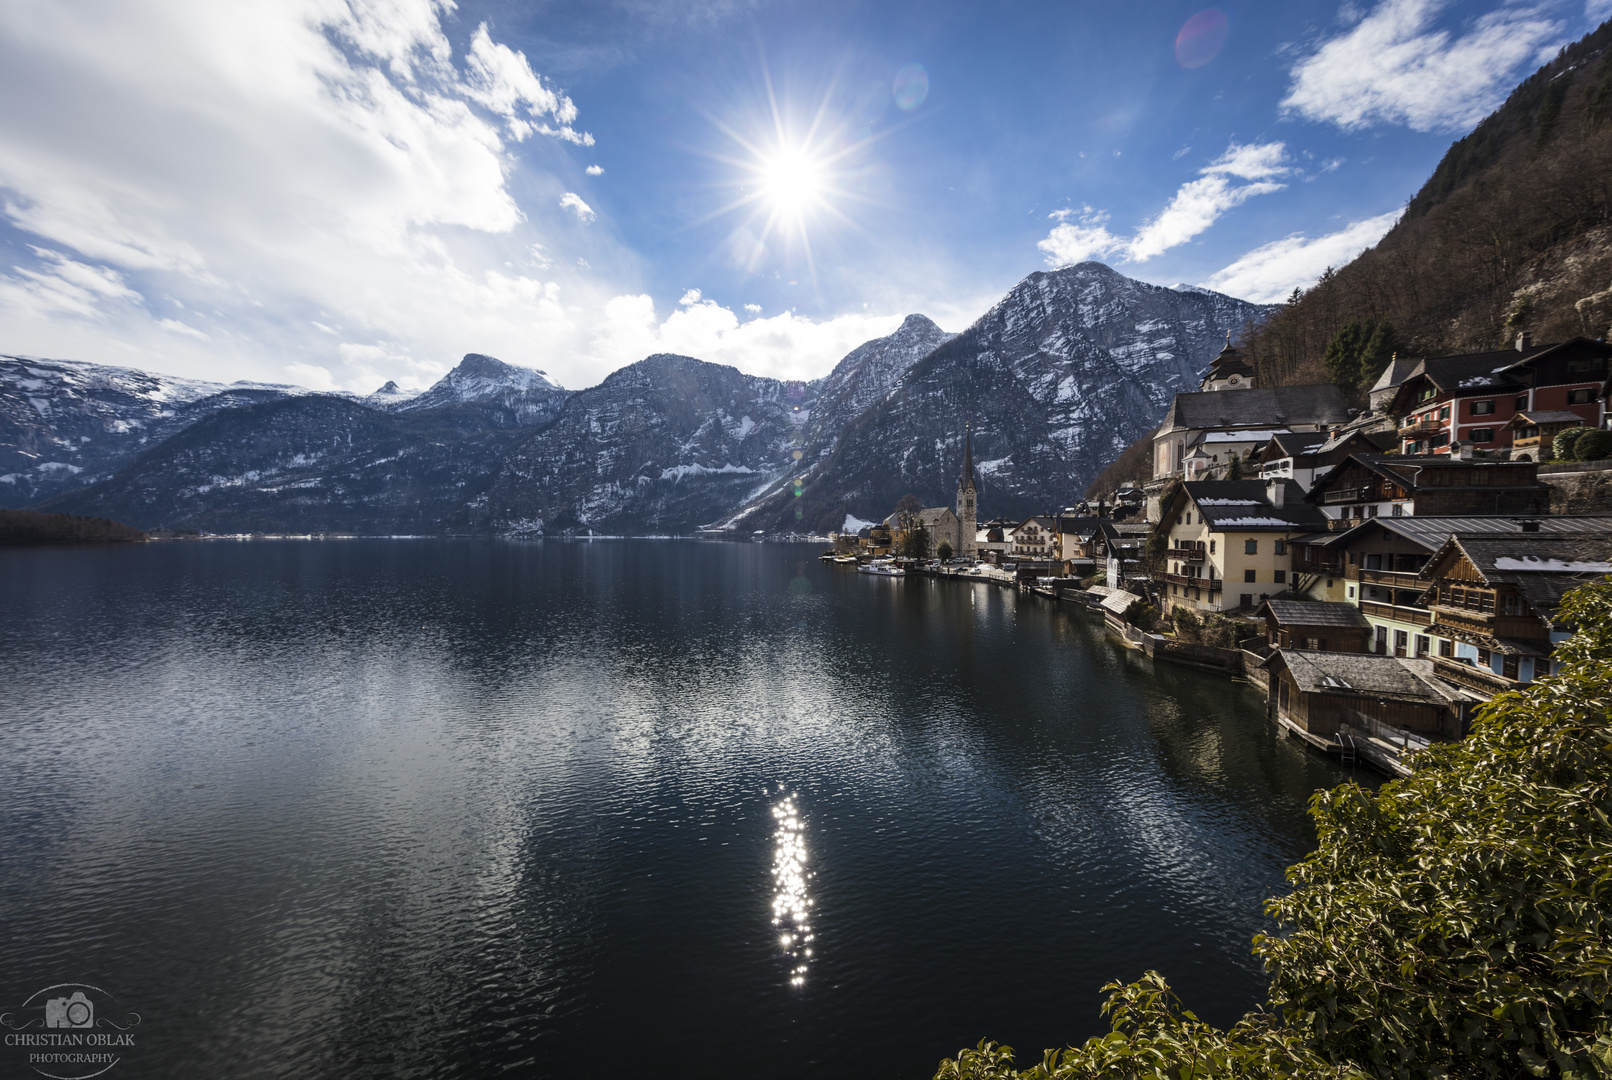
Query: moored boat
pixel 882 569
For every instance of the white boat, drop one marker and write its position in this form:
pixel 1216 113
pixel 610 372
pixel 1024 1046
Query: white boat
pixel 846 560
pixel 881 569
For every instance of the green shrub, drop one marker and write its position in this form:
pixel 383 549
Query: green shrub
pixel 1454 924
pixel 1593 445
pixel 1565 445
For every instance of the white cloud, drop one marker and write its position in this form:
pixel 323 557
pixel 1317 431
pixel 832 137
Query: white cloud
pixel 313 376
pixel 594 170
pixel 1269 273
pixel 1196 206
pixel 277 166
pixel 785 346
pixel 754 309
pixel 177 327
pixel 1394 67
pixel 573 202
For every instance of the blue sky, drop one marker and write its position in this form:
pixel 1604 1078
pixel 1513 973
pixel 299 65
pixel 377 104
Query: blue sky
pixel 338 193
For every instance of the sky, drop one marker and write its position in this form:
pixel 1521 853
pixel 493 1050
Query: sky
pixel 337 193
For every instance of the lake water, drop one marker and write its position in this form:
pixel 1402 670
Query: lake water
pixel 428 808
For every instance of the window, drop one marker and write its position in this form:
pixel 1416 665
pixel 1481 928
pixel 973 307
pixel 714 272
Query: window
pixel 1250 547
pixel 1281 547
pixel 1248 575
pixel 1211 547
pixel 1422 643
pixel 1374 562
pixel 1382 640
pixel 1508 666
pixel 1351 558
pixel 1581 397
pixel 1483 408
pixel 1444 413
pixel 1399 510
pixel 1541 668
pixel 1401 642
pixel 1351 592
pixel 1313 644
pixel 1482 434
pixel 1280 577
pixel 1484 659
pixel 1584 363
pixel 1511 604
pixel 1521 403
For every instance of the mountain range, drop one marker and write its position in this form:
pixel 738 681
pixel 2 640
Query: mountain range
pixel 1070 366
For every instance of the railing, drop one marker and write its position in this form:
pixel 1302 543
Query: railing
pixel 1186 554
pixel 1399 579
pixel 1397 612
pixel 1348 495
pixel 1189 582
pixel 1417 428
pixel 1471 677
pixel 1487 624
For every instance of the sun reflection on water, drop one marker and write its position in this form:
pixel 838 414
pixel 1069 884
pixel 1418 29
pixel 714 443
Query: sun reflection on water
pixel 791 906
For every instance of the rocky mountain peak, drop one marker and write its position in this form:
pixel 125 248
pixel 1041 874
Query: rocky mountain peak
pixel 509 395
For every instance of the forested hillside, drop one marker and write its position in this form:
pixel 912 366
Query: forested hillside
pixel 1512 232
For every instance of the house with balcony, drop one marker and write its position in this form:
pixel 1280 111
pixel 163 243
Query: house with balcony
pixel 1471 399
pixel 1533 432
pixel 1380 561
pixel 1226 542
pixel 1365 486
pixel 1035 539
pixel 1117 549
pixel 1495 598
pixel 1303 456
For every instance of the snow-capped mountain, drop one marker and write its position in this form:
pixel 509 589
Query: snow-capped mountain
pixel 65 424
pixel 1068 369
pixel 510 396
pixel 1063 373
pixel 663 445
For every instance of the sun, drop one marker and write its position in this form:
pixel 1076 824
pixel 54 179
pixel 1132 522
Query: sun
pixel 792 180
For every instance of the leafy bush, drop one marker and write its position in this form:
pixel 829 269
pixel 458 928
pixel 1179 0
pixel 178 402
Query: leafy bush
pixel 1593 445
pixel 1454 924
pixel 1565 445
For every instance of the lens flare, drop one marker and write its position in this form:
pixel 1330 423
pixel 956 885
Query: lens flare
pixel 911 87
pixel 1201 38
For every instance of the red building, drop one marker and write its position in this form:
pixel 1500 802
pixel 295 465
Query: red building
pixel 1472 398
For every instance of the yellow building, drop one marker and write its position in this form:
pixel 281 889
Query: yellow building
pixel 1226 542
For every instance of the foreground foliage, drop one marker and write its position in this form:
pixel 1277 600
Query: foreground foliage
pixel 1454 924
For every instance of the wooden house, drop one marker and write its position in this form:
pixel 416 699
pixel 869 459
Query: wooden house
pixel 1494 598
pixel 1315 627
pixel 1367 486
pixel 1534 431
pixel 1324 694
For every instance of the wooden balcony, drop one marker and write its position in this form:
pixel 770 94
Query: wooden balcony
pixel 1487 624
pixel 1350 495
pixel 1186 554
pixel 1480 681
pixel 1397 612
pixel 1184 581
pixel 1398 579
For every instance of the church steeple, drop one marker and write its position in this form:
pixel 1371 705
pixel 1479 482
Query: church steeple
pixel 967 506
pixel 966 480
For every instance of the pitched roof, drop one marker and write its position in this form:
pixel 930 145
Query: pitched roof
pixel 1364 675
pixel 1303 613
pixel 1542 568
pixel 1431 532
pixel 1244 506
pixel 1395 373
pixel 1546 416
pixel 1082 525
pixel 1260 407
pixel 1406 470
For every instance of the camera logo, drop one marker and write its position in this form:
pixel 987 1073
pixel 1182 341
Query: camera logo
pixel 69 1031
pixel 70 1012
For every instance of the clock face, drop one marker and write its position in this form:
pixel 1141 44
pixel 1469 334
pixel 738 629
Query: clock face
pixel 1233 380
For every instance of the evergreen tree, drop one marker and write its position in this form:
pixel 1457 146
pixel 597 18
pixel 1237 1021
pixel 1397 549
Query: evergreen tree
pixel 1234 467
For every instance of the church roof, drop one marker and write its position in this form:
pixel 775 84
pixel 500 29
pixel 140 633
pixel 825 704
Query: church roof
pixel 966 480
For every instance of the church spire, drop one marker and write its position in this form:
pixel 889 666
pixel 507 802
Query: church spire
pixel 967 479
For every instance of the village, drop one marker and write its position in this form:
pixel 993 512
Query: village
pixel 1378 572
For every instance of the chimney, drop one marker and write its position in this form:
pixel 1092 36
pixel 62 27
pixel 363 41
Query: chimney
pixel 1276 492
pixel 1525 341
pixel 1464 450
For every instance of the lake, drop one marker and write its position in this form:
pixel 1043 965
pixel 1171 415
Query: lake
pixel 441 808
